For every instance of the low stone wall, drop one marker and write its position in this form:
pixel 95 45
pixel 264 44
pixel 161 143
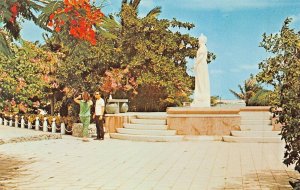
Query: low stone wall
pixel 203 121
pixel 31 138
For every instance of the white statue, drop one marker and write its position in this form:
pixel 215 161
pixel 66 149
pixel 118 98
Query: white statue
pixel 202 86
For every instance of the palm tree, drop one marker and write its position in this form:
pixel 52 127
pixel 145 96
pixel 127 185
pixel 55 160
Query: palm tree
pixel 248 90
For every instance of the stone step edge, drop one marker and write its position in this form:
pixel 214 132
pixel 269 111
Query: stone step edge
pixel 145 126
pixel 252 139
pixel 149 121
pixel 158 117
pixel 146 132
pixel 147 138
pixel 256 133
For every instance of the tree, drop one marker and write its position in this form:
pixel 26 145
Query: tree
pixel 282 70
pixel 156 57
pixel 27 73
pixel 248 90
pixel 261 98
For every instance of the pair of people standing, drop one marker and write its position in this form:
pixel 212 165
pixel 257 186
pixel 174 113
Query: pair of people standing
pixel 85 103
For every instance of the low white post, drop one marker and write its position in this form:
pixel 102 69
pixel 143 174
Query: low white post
pixel 37 124
pixel 53 126
pixel 62 128
pixel 22 122
pixel 5 122
pixel 10 121
pixel 16 121
pixel 45 125
pixel 29 124
pixel 1 120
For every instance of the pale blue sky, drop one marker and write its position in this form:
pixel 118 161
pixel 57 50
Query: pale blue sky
pixel 233 28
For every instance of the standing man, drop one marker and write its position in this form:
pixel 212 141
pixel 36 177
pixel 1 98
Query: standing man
pixel 98 116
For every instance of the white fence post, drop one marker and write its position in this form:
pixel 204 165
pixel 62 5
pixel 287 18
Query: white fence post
pixel 37 124
pixel 53 126
pixel 1 120
pixel 5 122
pixel 45 125
pixel 10 121
pixel 29 124
pixel 22 122
pixel 62 128
pixel 16 121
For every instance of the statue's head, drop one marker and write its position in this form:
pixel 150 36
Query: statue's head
pixel 202 39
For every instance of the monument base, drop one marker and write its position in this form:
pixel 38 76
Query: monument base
pixel 203 121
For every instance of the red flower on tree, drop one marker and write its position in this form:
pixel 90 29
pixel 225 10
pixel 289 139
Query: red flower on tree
pixel 14 12
pixel 79 16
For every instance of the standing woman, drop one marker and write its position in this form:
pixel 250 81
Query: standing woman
pixel 85 112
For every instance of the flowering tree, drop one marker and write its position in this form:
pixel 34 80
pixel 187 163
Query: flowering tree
pixel 75 18
pixel 282 70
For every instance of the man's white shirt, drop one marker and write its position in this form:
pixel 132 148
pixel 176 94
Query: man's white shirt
pixel 98 107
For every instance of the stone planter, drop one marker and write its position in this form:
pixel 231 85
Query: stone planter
pixel 77 129
pixel 124 108
pixel 111 108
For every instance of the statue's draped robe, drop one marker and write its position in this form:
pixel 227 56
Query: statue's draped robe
pixel 202 85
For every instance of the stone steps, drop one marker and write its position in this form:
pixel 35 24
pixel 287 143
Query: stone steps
pixel 256 127
pixel 152 116
pixel 147 138
pixel 145 127
pixel 149 121
pixel 146 132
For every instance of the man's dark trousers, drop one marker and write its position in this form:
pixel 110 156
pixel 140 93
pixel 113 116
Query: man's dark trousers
pixel 99 126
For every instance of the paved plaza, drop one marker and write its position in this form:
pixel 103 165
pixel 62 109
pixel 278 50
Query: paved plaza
pixel 69 163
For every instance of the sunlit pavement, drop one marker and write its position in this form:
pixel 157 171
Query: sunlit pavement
pixel 69 163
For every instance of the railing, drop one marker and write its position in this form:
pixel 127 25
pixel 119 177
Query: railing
pixel 36 124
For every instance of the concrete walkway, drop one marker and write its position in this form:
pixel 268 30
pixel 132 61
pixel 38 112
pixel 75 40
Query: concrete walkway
pixel 111 164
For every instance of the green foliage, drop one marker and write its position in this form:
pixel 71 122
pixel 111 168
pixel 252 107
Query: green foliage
pixel 156 56
pixel 214 100
pixel 282 70
pixel 26 74
pixel 261 98
pixel 248 90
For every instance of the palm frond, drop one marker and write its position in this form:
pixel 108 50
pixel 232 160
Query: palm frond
pixel 154 12
pixel 237 95
pixel 135 4
pixel 241 89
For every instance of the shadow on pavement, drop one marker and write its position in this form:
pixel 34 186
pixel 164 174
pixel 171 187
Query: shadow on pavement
pixel 10 170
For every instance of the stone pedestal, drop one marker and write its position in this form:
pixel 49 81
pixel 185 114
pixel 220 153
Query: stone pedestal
pixel 203 121
pixel 114 121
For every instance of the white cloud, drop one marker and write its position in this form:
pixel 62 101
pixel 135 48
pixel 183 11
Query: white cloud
pixel 245 67
pixel 296 18
pixel 216 71
pixel 235 70
pixel 248 66
pixel 149 4
pixel 230 5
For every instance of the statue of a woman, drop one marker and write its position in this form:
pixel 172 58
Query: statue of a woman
pixel 202 86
